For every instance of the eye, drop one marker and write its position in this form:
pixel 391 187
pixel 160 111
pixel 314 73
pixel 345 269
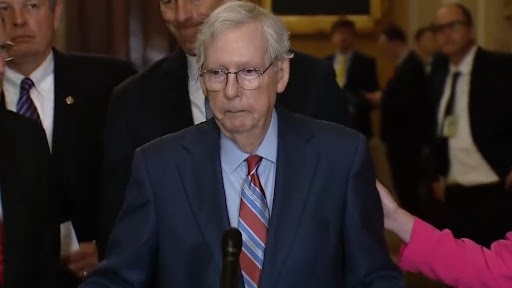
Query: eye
pixel 249 72
pixel 167 2
pixel 4 7
pixel 32 5
pixel 216 74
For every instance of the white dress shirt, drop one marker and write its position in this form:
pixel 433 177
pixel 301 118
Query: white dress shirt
pixel 195 91
pixel 43 93
pixel 467 165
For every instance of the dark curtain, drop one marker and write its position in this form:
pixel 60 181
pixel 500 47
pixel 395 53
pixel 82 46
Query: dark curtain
pixel 129 29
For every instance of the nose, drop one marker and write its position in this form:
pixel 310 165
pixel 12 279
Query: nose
pixel 232 88
pixel 16 17
pixel 183 11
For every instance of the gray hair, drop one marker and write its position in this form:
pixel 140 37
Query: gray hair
pixel 236 13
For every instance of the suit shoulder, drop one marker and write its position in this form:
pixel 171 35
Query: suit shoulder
pixel 327 133
pixel 310 60
pixel 363 57
pixel 148 76
pixel 496 57
pixel 172 144
pixel 99 62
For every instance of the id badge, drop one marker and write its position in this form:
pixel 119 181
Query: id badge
pixel 450 126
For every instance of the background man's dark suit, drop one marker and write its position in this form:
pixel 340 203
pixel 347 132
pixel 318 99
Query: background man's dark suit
pixel 361 77
pixel 490 101
pixel 156 102
pixel 326 228
pixel 83 85
pixel 31 233
pixel 406 128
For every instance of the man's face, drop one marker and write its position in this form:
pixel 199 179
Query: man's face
pixel 427 43
pixel 453 34
pixel 237 110
pixel 30 25
pixel 185 17
pixel 343 39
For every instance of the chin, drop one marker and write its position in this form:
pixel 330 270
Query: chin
pixel 236 127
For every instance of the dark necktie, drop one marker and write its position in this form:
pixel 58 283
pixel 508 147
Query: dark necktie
pixel 253 223
pixel 444 156
pixel 25 105
pixel 450 105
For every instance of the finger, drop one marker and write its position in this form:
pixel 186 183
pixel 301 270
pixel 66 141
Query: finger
pixel 77 256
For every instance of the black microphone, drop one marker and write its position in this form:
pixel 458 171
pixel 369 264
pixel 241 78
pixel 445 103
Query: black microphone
pixel 231 248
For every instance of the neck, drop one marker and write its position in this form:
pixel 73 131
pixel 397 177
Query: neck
pixel 424 56
pixel 457 58
pixel 401 54
pixel 248 141
pixel 27 65
pixel 344 51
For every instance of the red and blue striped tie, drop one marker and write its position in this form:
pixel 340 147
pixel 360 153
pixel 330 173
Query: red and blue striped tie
pixel 25 105
pixel 253 223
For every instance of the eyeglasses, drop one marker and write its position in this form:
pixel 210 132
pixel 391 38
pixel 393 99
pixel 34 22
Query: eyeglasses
pixel 248 78
pixel 453 25
pixel 5 50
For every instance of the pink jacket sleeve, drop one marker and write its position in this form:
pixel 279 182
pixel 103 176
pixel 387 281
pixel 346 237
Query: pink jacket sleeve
pixel 459 263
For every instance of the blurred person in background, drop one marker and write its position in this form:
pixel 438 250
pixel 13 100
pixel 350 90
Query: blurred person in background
pixel 356 73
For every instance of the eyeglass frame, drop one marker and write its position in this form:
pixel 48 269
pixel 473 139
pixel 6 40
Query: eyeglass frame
pixel 225 72
pixel 452 25
pixel 5 47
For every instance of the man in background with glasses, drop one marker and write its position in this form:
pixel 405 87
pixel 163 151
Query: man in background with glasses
pixel 29 231
pixel 473 130
pixel 301 191
pixel 167 97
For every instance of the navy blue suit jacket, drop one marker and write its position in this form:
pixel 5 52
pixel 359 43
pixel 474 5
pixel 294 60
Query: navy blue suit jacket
pixel 326 228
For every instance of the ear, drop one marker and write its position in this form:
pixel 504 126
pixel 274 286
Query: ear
pixel 283 74
pixel 57 13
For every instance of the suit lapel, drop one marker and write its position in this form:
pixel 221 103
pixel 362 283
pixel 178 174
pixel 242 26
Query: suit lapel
pixel 176 94
pixel 296 164
pixel 202 176
pixel 475 89
pixel 63 107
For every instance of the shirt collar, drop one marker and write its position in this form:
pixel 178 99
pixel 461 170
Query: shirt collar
pixel 466 65
pixel 193 69
pixel 232 156
pixel 38 76
pixel 347 55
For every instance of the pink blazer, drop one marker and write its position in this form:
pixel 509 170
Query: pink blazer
pixel 459 263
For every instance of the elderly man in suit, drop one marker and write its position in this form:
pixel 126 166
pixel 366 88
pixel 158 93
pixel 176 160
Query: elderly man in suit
pixel 29 234
pixel 301 191
pixel 167 98
pixel 474 130
pixel 68 95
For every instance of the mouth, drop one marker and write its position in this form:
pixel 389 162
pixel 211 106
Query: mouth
pixel 22 38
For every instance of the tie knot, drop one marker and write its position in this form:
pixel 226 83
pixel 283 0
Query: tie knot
pixel 455 75
pixel 26 84
pixel 252 163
